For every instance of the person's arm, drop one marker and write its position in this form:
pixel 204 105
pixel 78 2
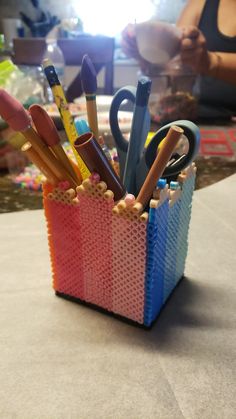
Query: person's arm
pixel 222 66
pixel 194 53
pixel 191 13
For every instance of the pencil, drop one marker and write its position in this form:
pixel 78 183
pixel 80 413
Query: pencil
pixel 48 132
pixel 35 158
pixel 13 112
pixel 66 116
pixel 159 164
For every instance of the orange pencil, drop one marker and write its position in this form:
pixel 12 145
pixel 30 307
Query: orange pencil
pixel 49 134
pixel 159 165
pixel 35 158
pixel 18 119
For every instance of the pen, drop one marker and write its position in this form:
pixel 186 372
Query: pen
pixel 66 116
pixel 89 85
pixel 139 131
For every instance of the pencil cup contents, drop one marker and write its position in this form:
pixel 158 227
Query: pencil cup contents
pixel 113 256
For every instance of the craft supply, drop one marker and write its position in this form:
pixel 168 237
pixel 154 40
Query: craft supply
pixel 138 134
pixel 153 145
pixel 159 164
pixel 115 164
pixel 139 127
pixel 35 158
pixel 89 86
pixel 30 178
pixel 66 116
pixel 143 255
pixel 18 119
pixel 96 161
pixel 82 127
pixel 48 132
pixel 178 161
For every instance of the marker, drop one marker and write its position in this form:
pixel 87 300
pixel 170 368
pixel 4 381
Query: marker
pixel 48 132
pixel 89 86
pixel 66 116
pixel 96 161
pixel 82 127
pixel 159 165
pixel 139 132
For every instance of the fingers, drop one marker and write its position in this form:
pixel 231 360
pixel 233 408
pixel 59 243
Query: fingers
pixel 128 41
pixel 191 44
pixel 128 31
pixel 188 44
pixel 191 32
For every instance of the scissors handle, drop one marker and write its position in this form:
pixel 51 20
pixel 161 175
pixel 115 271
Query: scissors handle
pixel 125 93
pixel 191 131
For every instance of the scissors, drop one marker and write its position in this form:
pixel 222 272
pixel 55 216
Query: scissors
pixel 147 155
pixel 129 151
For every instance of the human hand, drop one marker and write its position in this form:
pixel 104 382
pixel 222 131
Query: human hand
pixel 193 50
pixel 129 46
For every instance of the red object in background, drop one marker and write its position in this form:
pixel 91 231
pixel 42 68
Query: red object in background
pixel 232 135
pixel 215 143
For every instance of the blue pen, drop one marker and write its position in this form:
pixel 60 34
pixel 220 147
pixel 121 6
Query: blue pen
pixel 139 132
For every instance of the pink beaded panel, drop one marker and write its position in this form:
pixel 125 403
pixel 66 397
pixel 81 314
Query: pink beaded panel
pixel 96 243
pixel 97 255
pixel 128 266
pixel 64 230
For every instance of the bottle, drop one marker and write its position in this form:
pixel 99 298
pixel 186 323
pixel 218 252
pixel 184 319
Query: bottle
pixel 54 53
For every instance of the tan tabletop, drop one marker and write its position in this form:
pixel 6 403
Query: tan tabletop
pixel 63 360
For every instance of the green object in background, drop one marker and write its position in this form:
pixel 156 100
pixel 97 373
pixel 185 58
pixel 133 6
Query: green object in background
pixel 6 68
pixel 2 42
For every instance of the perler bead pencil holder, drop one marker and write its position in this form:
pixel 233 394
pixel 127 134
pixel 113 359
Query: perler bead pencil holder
pixel 107 256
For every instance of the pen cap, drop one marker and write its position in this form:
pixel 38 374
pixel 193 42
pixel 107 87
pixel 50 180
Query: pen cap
pixel 95 159
pixel 81 126
pixel 143 91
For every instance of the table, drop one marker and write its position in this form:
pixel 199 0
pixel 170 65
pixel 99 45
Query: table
pixel 63 360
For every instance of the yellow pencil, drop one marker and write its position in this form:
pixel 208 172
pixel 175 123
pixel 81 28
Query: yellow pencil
pixel 66 116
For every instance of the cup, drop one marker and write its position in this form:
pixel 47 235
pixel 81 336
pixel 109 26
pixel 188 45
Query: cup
pixel 158 42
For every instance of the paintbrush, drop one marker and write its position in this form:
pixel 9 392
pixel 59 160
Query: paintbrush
pixel 89 86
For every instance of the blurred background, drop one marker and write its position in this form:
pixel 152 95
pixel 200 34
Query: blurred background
pixel 20 188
